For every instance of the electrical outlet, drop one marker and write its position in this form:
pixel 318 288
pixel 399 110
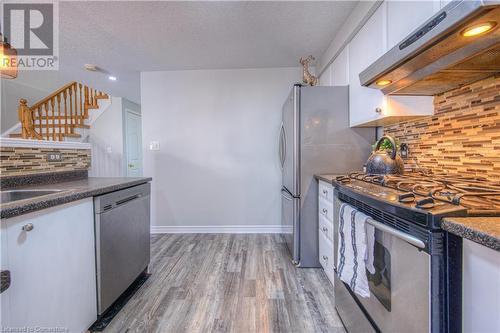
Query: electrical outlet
pixel 54 157
pixel 404 150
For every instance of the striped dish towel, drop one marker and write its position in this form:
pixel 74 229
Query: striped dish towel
pixel 354 255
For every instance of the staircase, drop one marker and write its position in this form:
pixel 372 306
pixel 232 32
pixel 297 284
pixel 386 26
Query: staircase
pixel 59 115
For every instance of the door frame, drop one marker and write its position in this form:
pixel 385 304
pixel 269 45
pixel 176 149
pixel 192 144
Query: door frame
pixel 125 141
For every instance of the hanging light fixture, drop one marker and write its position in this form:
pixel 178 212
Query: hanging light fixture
pixel 8 59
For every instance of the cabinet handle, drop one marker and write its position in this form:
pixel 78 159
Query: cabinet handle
pixel 325 229
pixel 28 227
pixel 325 191
pixel 325 258
pixel 325 211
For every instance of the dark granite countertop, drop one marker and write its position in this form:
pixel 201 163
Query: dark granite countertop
pixel 329 178
pixel 70 191
pixel 482 230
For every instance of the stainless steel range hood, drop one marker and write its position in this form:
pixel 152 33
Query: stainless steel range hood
pixel 443 53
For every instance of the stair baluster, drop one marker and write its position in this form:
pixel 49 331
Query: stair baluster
pixel 44 120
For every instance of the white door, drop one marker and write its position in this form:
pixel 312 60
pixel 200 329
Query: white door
pixel 133 143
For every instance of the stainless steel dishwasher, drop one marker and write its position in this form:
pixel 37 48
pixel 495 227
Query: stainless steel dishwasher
pixel 122 226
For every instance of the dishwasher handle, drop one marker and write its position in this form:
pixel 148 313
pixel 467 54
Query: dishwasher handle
pixel 109 201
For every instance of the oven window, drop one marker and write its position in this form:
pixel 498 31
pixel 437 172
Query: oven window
pixel 380 281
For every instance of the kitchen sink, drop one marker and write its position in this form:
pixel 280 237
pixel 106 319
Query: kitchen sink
pixel 14 195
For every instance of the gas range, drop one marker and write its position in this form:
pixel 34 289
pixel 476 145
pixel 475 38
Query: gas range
pixel 421 197
pixel 402 209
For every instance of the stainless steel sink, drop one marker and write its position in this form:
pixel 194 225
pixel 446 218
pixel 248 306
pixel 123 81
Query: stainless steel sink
pixel 14 195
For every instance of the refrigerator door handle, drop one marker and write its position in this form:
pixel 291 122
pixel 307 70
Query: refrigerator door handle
pixel 284 147
pixel 281 146
pixel 286 195
pixel 280 154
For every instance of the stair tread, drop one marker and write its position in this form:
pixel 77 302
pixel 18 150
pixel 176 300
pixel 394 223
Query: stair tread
pixel 72 135
pixel 59 117
pixel 91 106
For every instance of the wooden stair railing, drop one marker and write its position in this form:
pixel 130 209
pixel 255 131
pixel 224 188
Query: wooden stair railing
pixel 57 115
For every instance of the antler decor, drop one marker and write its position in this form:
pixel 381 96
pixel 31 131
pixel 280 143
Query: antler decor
pixel 307 77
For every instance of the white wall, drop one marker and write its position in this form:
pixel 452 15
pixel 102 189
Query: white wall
pixel 12 92
pixel 106 137
pixel 218 130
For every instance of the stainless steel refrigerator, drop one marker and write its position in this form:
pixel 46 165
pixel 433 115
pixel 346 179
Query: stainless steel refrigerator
pixel 315 138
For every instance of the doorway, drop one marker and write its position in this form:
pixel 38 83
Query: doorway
pixel 133 143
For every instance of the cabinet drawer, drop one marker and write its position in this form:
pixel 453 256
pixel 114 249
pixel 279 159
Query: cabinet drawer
pixel 326 227
pixel 326 256
pixel 325 190
pixel 325 208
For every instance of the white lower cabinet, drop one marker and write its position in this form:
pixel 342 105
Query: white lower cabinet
pixel 325 231
pixel 51 258
pixel 481 288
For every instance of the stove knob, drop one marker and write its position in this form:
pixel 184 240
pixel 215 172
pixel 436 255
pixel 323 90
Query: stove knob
pixel 406 197
pixel 426 203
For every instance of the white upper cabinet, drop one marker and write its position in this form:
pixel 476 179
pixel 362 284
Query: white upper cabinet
pixel 337 73
pixel 366 47
pixel 326 79
pixel 390 24
pixel 340 68
pixel 405 16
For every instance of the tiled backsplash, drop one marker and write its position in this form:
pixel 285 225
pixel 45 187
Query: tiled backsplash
pixel 24 160
pixel 462 137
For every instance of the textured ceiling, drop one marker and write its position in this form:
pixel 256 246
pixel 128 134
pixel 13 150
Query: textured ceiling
pixel 125 38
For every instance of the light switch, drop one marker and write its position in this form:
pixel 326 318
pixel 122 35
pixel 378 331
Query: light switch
pixel 109 150
pixel 154 145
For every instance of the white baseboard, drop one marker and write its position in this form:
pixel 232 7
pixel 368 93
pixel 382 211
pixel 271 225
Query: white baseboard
pixel 221 229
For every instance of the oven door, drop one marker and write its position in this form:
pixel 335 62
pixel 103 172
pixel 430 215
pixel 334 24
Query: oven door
pixel 399 288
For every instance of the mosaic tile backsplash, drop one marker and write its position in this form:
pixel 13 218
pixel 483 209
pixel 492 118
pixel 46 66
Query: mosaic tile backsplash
pixel 462 137
pixel 21 161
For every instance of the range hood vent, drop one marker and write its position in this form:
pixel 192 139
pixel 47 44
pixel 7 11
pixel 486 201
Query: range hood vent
pixel 443 53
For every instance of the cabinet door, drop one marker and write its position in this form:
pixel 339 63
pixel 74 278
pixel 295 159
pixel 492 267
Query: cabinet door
pixel 366 47
pixel 399 26
pixel 52 268
pixel 481 288
pixel 405 16
pixel 325 79
pixel 340 68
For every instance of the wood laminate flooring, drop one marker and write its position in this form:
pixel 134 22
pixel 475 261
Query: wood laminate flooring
pixel 228 283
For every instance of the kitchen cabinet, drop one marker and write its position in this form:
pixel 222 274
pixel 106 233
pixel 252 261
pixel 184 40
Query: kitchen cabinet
pixel 337 73
pixel 340 68
pixel 481 290
pixel 388 25
pixel 367 46
pixel 325 232
pixel 403 17
pixel 325 78
pixel 51 258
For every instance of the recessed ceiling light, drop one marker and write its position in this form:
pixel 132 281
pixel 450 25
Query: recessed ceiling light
pixel 112 78
pixel 478 29
pixel 90 67
pixel 383 82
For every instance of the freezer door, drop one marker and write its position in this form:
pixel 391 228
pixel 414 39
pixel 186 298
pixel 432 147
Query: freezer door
pixel 290 222
pixel 290 140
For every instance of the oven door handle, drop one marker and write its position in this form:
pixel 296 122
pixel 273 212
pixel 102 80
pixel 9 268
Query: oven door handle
pixel 399 234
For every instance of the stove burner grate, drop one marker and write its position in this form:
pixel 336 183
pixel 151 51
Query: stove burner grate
pixel 477 194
